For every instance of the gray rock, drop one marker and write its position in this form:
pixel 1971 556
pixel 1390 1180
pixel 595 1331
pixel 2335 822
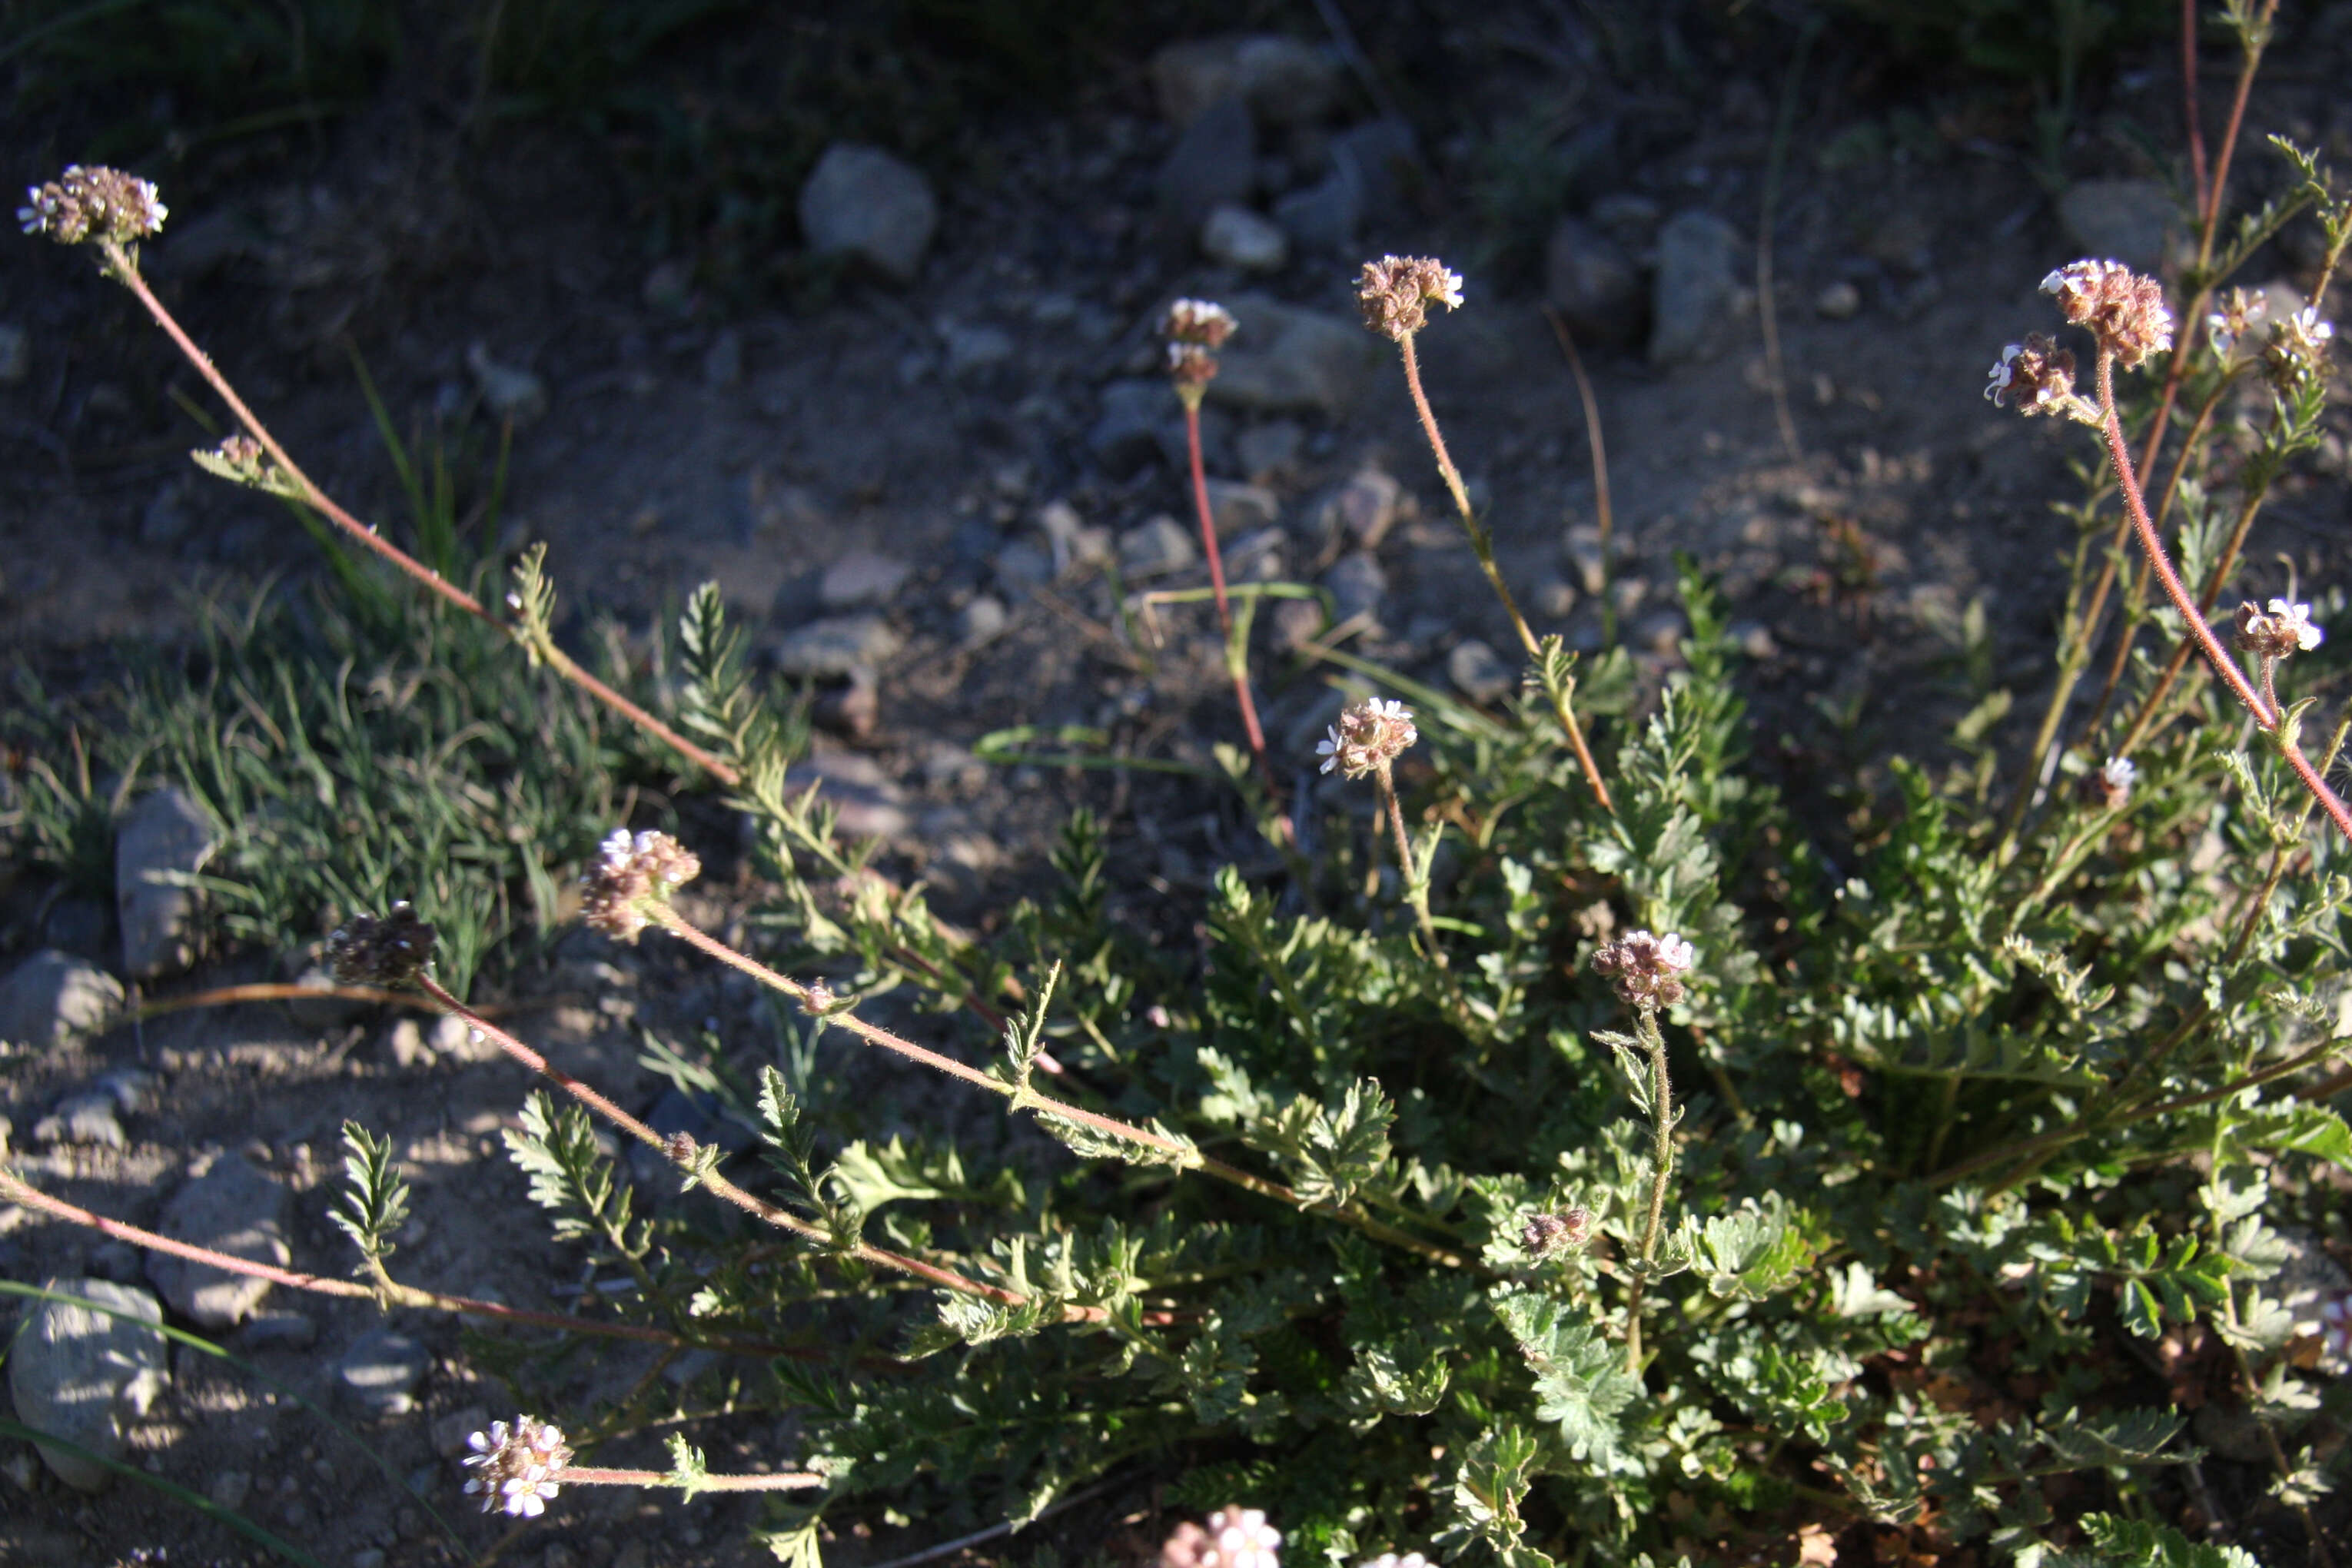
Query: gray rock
pixel 229 1489
pixel 327 1010
pixel 1283 80
pixel 82 926
pixel 1283 359
pixel 1478 672
pixel 1753 638
pixel 982 619
pixel 1155 548
pixel 1238 509
pixel 1022 568
pixel 1659 632
pixel 1072 542
pixel 861 201
pixel 79 1373
pixel 1297 623
pixel 1240 237
pixel 1269 451
pixel 53 996
pixel 2135 222
pixel 853 785
pixel 1696 289
pixel 16 354
pixel 1214 163
pixel 972 349
pixel 1322 219
pixel 1838 301
pixel 449 1433
pixel 1582 545
pixel 167 834
pixel 835 647
pixel 862 579
pixel 1357 585
pixel 1593 285
pixel 722 361
pixel 1554 598
pixel 1359 512
pixel 87 1116
pixel 232 1208
pixel 284 1330
pixel 119 1261
pixel 1629 219
pixel 379 1375
pixel 1137 420
pixel 1378 154
pixel 508 392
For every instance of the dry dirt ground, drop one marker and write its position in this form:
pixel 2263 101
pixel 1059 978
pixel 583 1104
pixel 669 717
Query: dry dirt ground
pixel 1851 560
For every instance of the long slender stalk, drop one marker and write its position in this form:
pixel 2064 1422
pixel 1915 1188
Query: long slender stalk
pixel 1604 514
pixel 2216 656
pixel 1416 891
pixel 1177 1152
pixel 124 266
pixel 1662 1169
pixel 17 1190
pixel 753 1482
pixel 1236 655
pixel 1482 545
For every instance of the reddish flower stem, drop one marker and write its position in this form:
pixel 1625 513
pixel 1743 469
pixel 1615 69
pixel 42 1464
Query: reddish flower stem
pixel 1236 658
pixel 124 267
pixel 589 1475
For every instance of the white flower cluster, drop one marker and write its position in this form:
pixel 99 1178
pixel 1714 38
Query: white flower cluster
pixel 518 1465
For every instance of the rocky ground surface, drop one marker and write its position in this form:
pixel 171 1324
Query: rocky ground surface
pixel 932 494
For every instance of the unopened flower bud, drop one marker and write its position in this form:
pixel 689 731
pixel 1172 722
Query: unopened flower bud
pixel 2228 320
pixel 1549 1234
pixel 393 950
pixel 1646 969
pixel 1368 737
pixel 1396 291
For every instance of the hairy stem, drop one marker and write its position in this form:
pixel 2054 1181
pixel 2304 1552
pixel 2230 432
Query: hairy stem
pixel 124 267
pixel 1662 1169
pixel 1416 891
pixel 590 1475
pixel 1236 653
pixel 1482 545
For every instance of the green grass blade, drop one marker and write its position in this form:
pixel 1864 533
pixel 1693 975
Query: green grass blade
pixel 226 1518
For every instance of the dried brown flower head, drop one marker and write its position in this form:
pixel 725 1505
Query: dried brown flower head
pixel 1396 292
pixel 2037 375
pixel 516 1467
pixel 630 871
pixel 95 203
pixel 393 950
pixel 1549 1234
pixel 2283 630
pixel 2123 309
pixel 1646 969
pixel 1368 737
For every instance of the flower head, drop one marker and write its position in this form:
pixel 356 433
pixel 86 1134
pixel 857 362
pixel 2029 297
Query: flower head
pixel 393 950
pixel 629 872
pixel 2037 373
pixel 2298 348
pixel 1396 292
pixel 2283 630
pixel 1646 969
pixel 2111 785
pixel 2123 309
pixel 97 203
pixel 2238 311
pixel 1549 1234
pixel 1369 736
pixel 518 1465
pixel 1195 331
pixel 1235 1538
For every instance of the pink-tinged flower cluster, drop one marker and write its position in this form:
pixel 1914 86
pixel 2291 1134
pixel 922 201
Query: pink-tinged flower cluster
pixel 630 872
pixel 2111 785
pixel 1647 970
pixel 1368 738
pixel 2036 375
pixel 2123 309
pixel 1396 291
pixel 95 203
pixel 1549 1234
pixel 2278 632
pixel 1235 1538
pixel 1195 331
pixel 517 1467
